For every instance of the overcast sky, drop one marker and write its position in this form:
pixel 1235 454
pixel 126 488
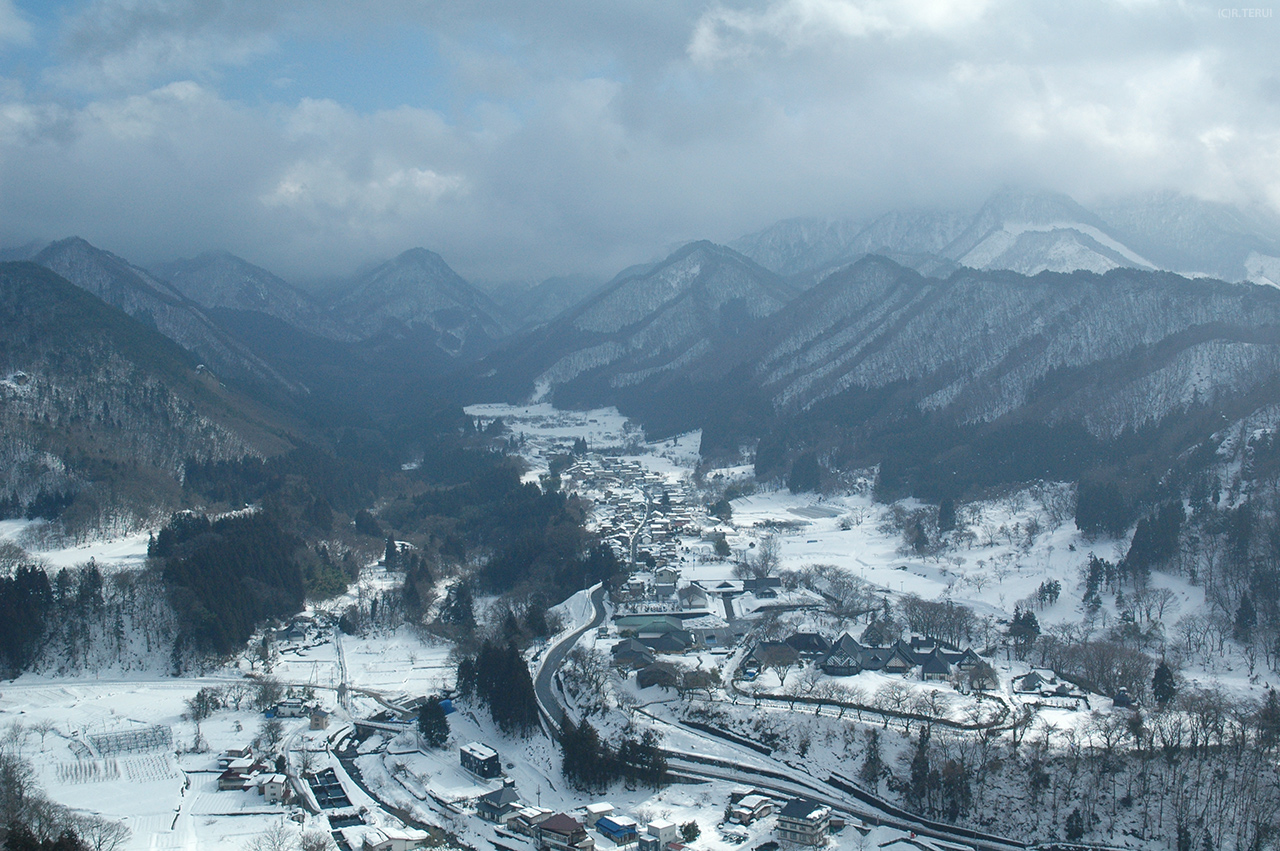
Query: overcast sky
pixel 524 139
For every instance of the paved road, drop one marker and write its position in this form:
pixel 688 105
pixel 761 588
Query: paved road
pixel 550 707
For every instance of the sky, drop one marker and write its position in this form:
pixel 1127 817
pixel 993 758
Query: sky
pixel 525 140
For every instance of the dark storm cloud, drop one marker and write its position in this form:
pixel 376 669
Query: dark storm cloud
pixel 588 136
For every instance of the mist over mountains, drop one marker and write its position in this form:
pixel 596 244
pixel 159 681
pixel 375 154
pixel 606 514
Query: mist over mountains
pixel 1071 343
pixel 1030 232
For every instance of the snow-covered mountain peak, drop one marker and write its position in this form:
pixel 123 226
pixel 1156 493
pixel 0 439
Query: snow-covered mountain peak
pixel 418 290
pixel 708 274
pixel 219 279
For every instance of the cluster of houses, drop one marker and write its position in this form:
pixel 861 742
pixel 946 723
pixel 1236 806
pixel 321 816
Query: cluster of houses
pixel 732 599
pixel 878 649
pixel 296 707
pixel 801 821
pixel 1045 689
pixel 559 831
pixel 241 771
pixel 644 510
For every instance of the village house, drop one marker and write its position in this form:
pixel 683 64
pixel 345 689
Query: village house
pixel 666 576
pixel 933 668
pixel 658 674
pixel 394 839
pixel 804 822
pixel 480 760
pixel 620 829
pixel 876 635
pixel 658 835
pixel 667 641
pixel 231 754
pixel 500 805
pixel 595 812
pixel 750 808
pixel 527 820
pixel 844 658
pixel 693 597
pixel 562 832
pixel 239 774
pixel 630 654
pixel 810 645
pixel 291 707
pixel 274 788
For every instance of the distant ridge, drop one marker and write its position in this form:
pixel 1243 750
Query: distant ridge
pixel 1031 232
pixel 418 293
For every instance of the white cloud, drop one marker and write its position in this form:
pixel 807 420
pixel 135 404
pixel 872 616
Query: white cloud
pixel 727 33
pixel 14 28
pixel 122 44
pixel 592 140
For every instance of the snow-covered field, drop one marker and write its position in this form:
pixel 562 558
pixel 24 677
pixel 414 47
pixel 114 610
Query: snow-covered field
pixel 169 797
pixel 119 553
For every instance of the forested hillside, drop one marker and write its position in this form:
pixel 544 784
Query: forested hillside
pixel 100 413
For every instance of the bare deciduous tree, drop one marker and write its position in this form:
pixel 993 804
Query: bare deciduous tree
pixel 102 834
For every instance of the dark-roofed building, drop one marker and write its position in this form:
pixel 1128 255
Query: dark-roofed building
pixel 764 583
pixel 633 625
pixel 844 658
pixel 899 660
pixel 500 805
pixel 764 650
pixel 810 645
pixel 876 635
pixel 631 654
pixel 965 660
pixel 934 668
pixel 1031 682
pixel 480 760
pixel 658 674
pixel 561 832
pixel 668 641
pixel 804 822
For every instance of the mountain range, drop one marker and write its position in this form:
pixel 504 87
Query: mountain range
pixel 1031 232
pixel 93 400
pixel 1030 338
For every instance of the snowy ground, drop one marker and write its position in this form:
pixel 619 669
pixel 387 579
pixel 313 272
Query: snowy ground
pixel 118 553
pixel 170 801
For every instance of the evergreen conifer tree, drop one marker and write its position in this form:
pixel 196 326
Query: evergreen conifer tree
pixel 1163 687
pixel 433 725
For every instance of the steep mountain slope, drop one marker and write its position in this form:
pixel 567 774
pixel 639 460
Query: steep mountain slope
pixel 100 407
pixel 652 322
pixel 1197 237
pixel 1030 232
pixel 222 280
pixel 797 245
pixel 417 294
pixel 986 345
pixel 159 305
pixel 984 377
pixel 545 300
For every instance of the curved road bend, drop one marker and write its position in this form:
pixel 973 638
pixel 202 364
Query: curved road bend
pixel 550 707
pixel 553 714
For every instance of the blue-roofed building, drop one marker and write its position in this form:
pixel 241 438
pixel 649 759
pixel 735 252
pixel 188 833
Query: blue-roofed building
pixel 620 829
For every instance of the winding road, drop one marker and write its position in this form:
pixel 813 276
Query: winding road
pixel 544 685
pixel 784 783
